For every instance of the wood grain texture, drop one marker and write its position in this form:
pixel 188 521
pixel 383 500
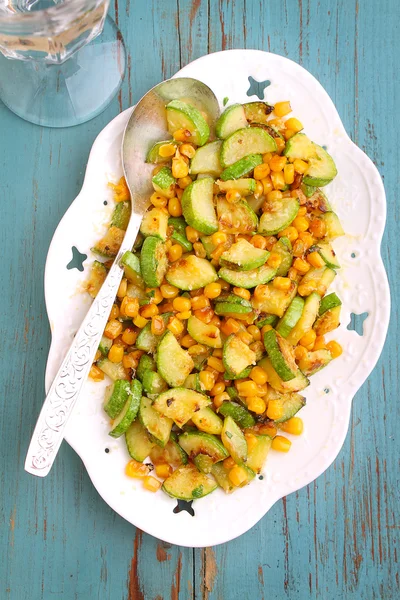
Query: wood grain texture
pixel 337 538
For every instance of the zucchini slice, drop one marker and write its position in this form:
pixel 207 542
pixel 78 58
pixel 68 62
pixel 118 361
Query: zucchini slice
pixel 198 206
pixel 274 301
pixel 247 279
pixel 315 361
pixel 206 420
pixel 281 355
pixel 173 362
pixel 334 228
pixel 258 454
pixel 322 277
pixel 129 411
pixel 114 371
pixel 209 245
pixel 238 413
pixel 206 160
pixel 115 397
pixel 241 167
pixel 200 358
pixel 265 319
pixel 105 345
pixel 230 304
pixel 146 363
pixel 178 226
pixel 257 112
pixel 153 261
pixel 172 454
pixel 180 404
pixel 283 248
pixel 327 253
pixel 187 483
pixel 328 321
pixel 138 442
pixel 97 277
pixel 294 385
pixel 204 463
pixel 328 302
pixel 291 404
pixel 316 202
pixel 131 264
pixel 155 223
pixel 245 186
pixel 221 475
pixel 234 441
pixel 307 319
pixel 181 115
pixel 157 425
pixel 236 355
pixel 110 243
pixel 192 382
pixel 153 383
pixel 279 214
pixel 321 167
pixel 236 218
pixel 191 273
pixel 291 317
pixel 204 333
pixel 243 256
pixel 198 442
pixel 244 142
pixel 146 340
pixel 121 215
pixel 164 182
pixel 153 155
pixel 232 119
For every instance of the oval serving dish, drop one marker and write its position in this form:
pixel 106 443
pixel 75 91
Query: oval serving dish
pixel 357 195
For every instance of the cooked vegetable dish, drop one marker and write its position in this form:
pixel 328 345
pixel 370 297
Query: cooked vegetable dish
pixel 221 317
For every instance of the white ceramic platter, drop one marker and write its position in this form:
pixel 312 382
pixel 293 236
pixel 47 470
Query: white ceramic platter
pixel 357 195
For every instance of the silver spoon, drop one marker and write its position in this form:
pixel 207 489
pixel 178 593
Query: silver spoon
pixel 146 126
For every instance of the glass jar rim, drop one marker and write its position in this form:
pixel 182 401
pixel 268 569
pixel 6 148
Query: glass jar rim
pixel 57 15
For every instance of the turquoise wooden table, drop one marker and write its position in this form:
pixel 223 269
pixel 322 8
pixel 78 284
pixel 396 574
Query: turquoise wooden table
pixel 337 538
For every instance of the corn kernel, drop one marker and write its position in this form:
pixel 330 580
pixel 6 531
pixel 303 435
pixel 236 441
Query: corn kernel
pixel 267 157
pixel 233 196
pixel 261 171
pixel 151 484
pixel 288 133
pixel 282 109
pixel 242 293
pixel 197 349
pixel 254 332
pixel 129 307
pixel 302 266
pixel 293 274
pixel 301 223
pixel 278 180
pixel 207 380
pixel 246 388
pixel 136 469
pixel 216 363
pixel 256 405
pixel 275 410
pixel 308 339
pixel 113 329
pixel 199 250
pixel 187 341
pixel 294 124
pixel 169 291
pixel 148 311
pixel 199 302
pixel 259 241
pixel 187 150
pixel 140 321
pixel 237 475
pixel 319 343
pixel 219 399
pixel 268 429
pixel 229 463
pixel 315 260
pixel 274 260
pixel 230 326
pixel 274 195
pixel 212 290
pixel 129 336
pixel 290 232
pixel 317 228
pixel 114 313
pixel 184 315
pixel 294 426
pixel 282 283
pixel 192 234
pixel 129 361
pixel 158 201
pixel 217 352
pixel 334 348
pixel 96 374
pixel 182 135
pixel 167 150
pixel 277 163
pixel 175 326
pixel 181 304
pixel 258 375
pixel 157 325
pixel 288 173
pixel 179 168
pixel 204 314
pixel 300 166
pixel 306 238
pixel 115 353
pixel 251 440
pixel 175 207
pixel 281 444
pixel 163 470
pixel 218 388
pixel 300 352
pixel 219 238
pixel 165 307
pixel 175 253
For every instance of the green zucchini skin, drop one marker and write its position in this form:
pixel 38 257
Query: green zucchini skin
pixel 129 412
pixel 238 413
pixel 281 355
pixel 153 261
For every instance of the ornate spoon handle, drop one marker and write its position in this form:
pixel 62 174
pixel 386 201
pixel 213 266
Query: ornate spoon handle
pixel 68 383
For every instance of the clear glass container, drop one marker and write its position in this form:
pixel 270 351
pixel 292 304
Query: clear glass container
pixel 61 61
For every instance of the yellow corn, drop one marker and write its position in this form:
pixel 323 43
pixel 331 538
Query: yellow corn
pixel 181 304
pixel 200 302
pixel 219 238
pixel 261 171
pixel 274 260
pixel 199 250
pixel 237 475
pixel 281 444
pixel 242 293
pixel 300 352
pixel 251 441
pixel 308 339
pixel 218 388
pixel 282 283
pixel 288 173
pixel 136 469
pixel 113 329
pixel 246 388
pixel 166 150
pixel 254 332
pixel 302 266
pixel 315 260
pixel 216 363
pixel 169 291
pixel 184 315
pixel 175 326
pixel 163 470
pixel 277 163
pixel 187 341
pixel 267 185
pixel 179 168
pixel 294 124
pixel 175 253
pixel 157 325
pixel 275 410
pixel 278 180
pixel 192 234
pixel 96 374
pixel 294 426
pixel 288 133
pixel 175 207
pixel 219 399
pixel 282 108
pixel 258 375
pixel 129 307
pixel 290 232
pixel 319 343
pixel 115 353
pixel 148 311
pixel 187 150
pixel 266 328
pixel 229 463
pixel 140 321
pixel 207 380
pixel 300 166
pixel 151 483
pixel 212 290
pixel 158 200
pixel 256 405
pixel 274 195
pixel 114 313
pixel 334 348
pixel 301 223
